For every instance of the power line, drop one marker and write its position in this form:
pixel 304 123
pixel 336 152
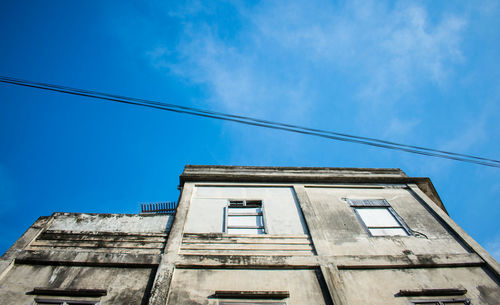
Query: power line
pixel 255 122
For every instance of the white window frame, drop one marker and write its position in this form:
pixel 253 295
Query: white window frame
pixel 357 204
pixel 244 202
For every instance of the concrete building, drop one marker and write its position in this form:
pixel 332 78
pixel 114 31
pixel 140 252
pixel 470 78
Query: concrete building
pixel 260 235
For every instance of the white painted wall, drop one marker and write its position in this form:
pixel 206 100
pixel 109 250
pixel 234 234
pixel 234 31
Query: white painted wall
pixel 282 212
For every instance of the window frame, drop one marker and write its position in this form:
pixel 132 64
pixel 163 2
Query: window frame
pixel 357 204
pixel 262 214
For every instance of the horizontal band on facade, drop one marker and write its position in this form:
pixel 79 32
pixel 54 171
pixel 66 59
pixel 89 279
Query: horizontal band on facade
pixel 68 292
pixel 251 294
pixel 84 264
pixel 432 292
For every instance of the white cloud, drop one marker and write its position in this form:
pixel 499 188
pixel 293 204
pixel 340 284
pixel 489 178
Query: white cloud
pixel 272 62
pixel 236 77
pixel 399 128
pixel 470 132
pixel 473 133
pixel 389 47
pixel 157 56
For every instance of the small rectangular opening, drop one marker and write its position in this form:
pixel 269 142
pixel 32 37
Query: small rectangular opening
pixel 245 204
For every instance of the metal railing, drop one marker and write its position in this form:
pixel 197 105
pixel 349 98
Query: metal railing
pixel 166 208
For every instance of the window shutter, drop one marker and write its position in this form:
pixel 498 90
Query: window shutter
pixel 368 203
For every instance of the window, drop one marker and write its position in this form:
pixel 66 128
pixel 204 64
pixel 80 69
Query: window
pixel 379 218
pixel 244 217
pixel 442 302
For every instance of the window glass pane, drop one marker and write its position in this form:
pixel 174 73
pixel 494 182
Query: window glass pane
pixel 388 232
pixel 245 231
pixel 244 210
pixel 243 203
pixel 377 217
pixel 244 221
pixel 254 203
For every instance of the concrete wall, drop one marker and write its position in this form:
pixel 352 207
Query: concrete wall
pixel 282 213
pixel 346 235
pixel 112 223
pixel 118 253
pixel 316 247
pixel 379 287
pixel 192 286
pixel 124 285
pixel 358 268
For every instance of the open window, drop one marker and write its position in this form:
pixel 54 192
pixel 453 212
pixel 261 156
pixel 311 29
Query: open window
pixel 244 217
pixel 379 218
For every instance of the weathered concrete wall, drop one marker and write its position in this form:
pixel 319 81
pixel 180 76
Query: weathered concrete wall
pixel 195 286
pixel 123 285
pixel 229 172
pixel 262 245
pixel 84 241
pixel 111 223
pixel 104 233
pixel 119 253
pixel 282 213
pixel 379 287
pixel 345 234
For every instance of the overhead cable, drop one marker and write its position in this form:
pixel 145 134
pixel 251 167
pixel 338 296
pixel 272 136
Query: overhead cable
pixel 255 122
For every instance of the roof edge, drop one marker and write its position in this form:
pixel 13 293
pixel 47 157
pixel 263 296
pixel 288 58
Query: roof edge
pixel 374 169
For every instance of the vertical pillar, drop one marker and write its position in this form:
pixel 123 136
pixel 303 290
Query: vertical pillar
pixel 161 285
pixel 328 268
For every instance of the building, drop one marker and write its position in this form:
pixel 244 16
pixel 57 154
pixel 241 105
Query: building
pixel 260 235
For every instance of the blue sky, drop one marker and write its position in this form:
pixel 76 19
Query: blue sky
pixel 419 72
